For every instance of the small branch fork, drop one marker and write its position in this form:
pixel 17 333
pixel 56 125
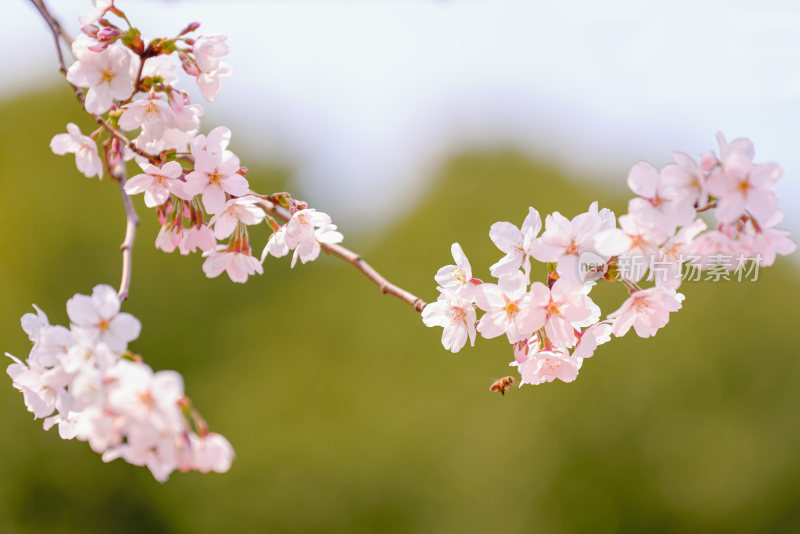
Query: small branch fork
pixel 132 221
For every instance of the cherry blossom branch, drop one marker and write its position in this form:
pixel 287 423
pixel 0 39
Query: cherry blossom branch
pixel 131 219
pixel 355 260
pixel 271 206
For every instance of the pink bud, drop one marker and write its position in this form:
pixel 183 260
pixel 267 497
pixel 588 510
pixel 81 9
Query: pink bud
pixel 115 153
pixel 190 28
pixel 243 171
pixel 108 34
pixel 188 64
pixel 90 30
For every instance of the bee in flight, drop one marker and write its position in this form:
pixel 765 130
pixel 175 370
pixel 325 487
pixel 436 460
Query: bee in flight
pixel 502 384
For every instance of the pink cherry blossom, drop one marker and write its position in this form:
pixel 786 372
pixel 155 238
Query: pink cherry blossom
pixel 711 245
pixel 565 306
pixel 146 446
pixel 742 185
pixel 456 315
pixel 147 397
pixel 207 51
pixel 210 83
pixel 591 338
pixel 169 237
pixel 670 257
pixel 686 180
pixel 151 114
pixel 198 237
pixel 162 67
pixel 508 309
pixel 525 349
pixel 515 242
pixel 456 277
pixel 50 342
pixel 215 143
pixel 88 354
pixel 98 317
pixel 546 366
pixel 768 241
pixel 157 183
pixel 85 149
pixel 306 231
pixel 243 209
pixel 564 240
pixel 215 175
pixel 634 239
pixel 238 265
pixel 211 452
pixel 741 147
pixel 309 249
pixel 109 75
pixel 120 407
pixel 302 224
pixel 100 8
pixel 187 115
pixel 646 311
pixel 43 389
pixel 655 203
pixel 276 245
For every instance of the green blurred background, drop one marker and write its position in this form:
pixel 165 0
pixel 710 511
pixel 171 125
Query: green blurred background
pixel 346 413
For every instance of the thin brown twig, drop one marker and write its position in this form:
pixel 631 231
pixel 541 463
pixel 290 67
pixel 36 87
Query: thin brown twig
pixel 132 221
pixel 356 261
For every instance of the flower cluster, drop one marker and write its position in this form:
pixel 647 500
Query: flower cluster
pixel 85 380
pixel 197 185
pixel 554 326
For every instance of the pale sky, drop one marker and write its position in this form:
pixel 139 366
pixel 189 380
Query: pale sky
pixel 366 99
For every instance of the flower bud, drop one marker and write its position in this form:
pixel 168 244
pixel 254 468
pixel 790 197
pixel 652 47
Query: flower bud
pixel 108 34
pixel 115 155
pixel 90 30
pixel 190 28
pixel 188 64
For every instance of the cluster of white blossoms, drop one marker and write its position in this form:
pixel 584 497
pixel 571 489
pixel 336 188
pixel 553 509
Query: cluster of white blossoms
pixel 553 326
pixel 196 184
pixel 84 379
